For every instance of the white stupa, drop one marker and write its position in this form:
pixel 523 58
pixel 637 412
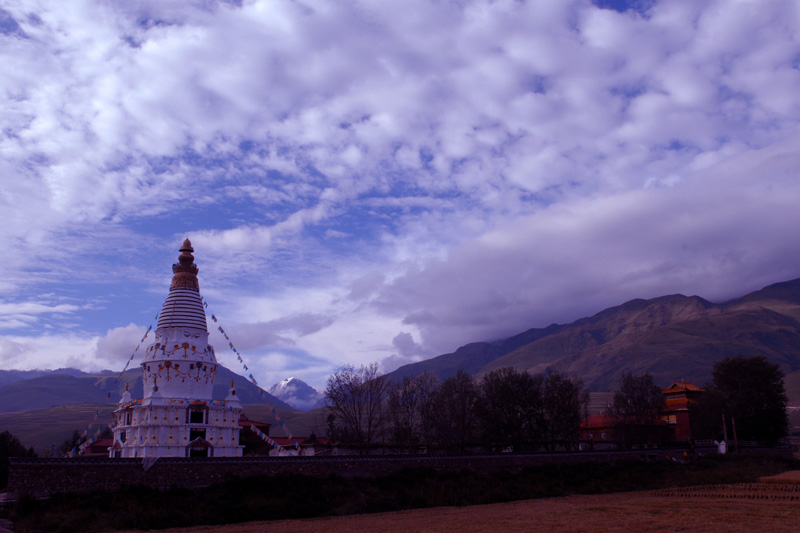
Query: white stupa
pixel 177 416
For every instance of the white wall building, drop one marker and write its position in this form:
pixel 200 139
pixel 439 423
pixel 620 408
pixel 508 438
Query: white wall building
pixel 177 416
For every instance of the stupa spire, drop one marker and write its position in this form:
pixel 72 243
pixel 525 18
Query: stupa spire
pixel 185 271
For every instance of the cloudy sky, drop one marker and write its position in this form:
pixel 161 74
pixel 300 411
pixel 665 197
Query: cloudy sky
pixel 385 181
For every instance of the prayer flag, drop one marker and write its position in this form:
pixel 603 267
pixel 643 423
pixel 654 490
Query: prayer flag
pixel 213 317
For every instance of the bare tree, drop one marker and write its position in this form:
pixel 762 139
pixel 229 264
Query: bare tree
pixel 403 407
pixel 507 407
pixel 452 410
pixel 427 387
pixel 637 406
pixel 355 411
pixel 406 408
pixel 564 402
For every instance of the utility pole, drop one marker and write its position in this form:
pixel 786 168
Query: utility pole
pixel 724 447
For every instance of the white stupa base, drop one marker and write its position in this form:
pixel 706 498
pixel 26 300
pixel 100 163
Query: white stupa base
pixel 177 428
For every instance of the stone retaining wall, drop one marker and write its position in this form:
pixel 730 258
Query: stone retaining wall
pixel 87 474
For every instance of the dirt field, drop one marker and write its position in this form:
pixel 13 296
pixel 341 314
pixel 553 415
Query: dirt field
pixel 773 505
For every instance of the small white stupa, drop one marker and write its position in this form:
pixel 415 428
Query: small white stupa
pixel 177 416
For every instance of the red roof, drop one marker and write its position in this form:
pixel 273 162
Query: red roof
pixel 682 386
pixel 602 420
pixel 98 447
pixel 286 441
pixel 245 422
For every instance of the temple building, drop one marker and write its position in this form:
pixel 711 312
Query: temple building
pixel 177 416
pixel 678 397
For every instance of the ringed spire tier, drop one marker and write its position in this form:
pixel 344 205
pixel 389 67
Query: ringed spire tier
pixel 183 307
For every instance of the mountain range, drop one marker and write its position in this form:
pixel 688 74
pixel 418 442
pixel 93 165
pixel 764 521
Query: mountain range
pixel 671 337
pixel 70 386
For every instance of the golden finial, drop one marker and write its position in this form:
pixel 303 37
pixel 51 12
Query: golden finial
pixel 185 271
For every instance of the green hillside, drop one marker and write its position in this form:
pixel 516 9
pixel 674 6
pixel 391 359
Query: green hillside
pixel 42 428
pixel 300 423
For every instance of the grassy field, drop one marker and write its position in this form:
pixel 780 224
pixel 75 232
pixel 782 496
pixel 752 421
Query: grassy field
pixel 281 497
pixel 607 513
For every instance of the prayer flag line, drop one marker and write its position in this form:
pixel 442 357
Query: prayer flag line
pixel 252 378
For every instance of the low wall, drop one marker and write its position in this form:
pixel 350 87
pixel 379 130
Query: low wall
pixel 88 474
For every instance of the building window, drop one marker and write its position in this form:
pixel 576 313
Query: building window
pixel 128 418
pixel 197 416
pixel 123 436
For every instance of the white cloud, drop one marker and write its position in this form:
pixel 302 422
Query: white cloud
pixel 468 168
pixel 576 258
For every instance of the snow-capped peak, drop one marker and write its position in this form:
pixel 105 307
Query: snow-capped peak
pixel 296 393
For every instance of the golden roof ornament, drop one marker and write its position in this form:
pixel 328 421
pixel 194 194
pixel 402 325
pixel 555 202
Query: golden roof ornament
pixel 185 271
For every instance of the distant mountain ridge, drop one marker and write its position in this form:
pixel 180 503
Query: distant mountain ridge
pixel 71 386
pixel 12 376
pixel 671 337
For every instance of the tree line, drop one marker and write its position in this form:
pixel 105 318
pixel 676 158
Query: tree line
pixel 512 410
pixel 505 409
